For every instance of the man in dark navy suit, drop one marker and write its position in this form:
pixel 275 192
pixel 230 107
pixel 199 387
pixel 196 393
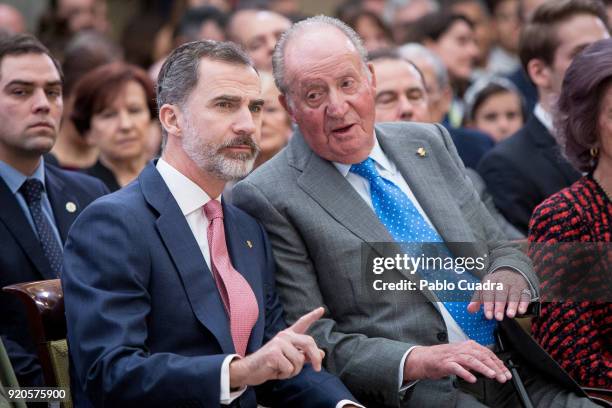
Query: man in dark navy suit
pixel 525 169
pixel 169 291
pixel 38 202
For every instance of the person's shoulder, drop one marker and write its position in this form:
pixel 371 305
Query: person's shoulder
pixel 513 149
pixel 77 182
pixel 563 208
pixel 408 129
pixel 274 171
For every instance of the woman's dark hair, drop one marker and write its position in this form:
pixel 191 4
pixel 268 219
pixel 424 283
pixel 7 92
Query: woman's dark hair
pixel 586 80
pixel 352 19
pixel 99 87
pixel 432 26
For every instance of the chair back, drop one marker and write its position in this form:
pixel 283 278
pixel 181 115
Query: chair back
pixel 44 303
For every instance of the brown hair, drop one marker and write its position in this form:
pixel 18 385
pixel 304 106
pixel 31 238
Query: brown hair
pixel 21 44
pixel 99 87
pixel 588 77
pixel 539 38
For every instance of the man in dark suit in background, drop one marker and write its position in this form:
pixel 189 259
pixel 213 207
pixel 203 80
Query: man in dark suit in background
pixel 38 202
pixel 528 167
pixel 169 292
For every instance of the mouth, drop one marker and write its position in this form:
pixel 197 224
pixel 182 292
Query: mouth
pixel 342 130
pixel 42 124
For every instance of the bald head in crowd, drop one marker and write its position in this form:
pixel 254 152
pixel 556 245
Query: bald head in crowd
pixel 11 19
pixel 258 31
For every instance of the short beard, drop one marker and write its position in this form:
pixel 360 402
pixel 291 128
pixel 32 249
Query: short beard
pixel 224 166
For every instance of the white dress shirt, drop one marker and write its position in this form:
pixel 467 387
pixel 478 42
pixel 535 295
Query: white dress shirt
pixel 544 117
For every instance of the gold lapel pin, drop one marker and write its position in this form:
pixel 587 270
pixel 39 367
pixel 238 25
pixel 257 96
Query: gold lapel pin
pixel 249 244
pixel 421 152
pixel 71 207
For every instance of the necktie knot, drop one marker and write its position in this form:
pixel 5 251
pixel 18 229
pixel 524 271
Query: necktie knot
pixel 212 210
pixel 32 190
pixel 365 169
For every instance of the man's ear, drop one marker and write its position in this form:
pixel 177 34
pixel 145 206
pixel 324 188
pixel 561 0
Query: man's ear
pixel 169 119
pixel 286 105
pixel 373 75
pixel 539 73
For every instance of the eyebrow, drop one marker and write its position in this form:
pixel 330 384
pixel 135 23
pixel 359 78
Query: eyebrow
pixel 257 102
pixel 30 83
pixel 228 98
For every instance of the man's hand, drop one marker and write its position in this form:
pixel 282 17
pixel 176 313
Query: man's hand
pixel 515 293
pixel 460 359
pixel 280 358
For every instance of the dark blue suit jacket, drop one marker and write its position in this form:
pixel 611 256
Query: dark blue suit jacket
pixel 524 170
pixel 22 259
pixel 470 143
pixel 146 324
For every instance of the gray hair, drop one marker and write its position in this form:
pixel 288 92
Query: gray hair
pixel 412 51
pixel 278 59
pixel 179 73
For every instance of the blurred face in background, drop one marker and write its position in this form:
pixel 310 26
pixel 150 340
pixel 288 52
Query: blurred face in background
pixel 574 35
pixel 400 92
pixel 499 115
pixel 258 32
pixel 507 23
pixel 373 36
pixel 83 14
pixel 438 98
pixel 474 11
pixel 121 128
pixel 457 49
pixel 276 124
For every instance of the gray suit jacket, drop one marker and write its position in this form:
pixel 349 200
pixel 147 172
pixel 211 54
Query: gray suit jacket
pixel 317 223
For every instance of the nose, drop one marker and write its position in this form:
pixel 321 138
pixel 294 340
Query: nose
pixel 125 120
pixel 405 108
pixel 270 44
pixel 40 103
pixel 244 123
pixel 337 106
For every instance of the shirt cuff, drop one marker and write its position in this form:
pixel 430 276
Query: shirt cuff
pixel 348 402
pixel 228 396
pixel 401 387
pixel 534 293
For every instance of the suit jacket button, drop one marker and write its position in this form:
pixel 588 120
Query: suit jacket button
pixel 442 336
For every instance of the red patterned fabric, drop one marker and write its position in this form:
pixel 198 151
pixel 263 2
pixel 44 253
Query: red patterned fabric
pixel 577 334
pixel 238 297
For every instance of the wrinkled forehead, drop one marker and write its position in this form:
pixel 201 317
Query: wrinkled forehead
pixel 319 50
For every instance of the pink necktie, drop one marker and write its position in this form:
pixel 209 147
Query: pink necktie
pixel 238 297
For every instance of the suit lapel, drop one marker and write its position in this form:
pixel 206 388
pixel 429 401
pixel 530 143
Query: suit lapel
pixel 426 184
pixel 241 256
pixel 344 204
pixel 60 199
pixel 13 217
pixel 182 247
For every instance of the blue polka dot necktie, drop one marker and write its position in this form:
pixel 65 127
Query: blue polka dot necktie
pixel 32 190
pixel 406 224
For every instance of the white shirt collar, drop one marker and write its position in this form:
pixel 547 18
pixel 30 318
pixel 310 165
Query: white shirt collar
pixel 189 196
pixel 376 154
pixel 544 117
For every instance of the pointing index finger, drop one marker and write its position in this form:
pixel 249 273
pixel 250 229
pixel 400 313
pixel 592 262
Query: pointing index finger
pixel 303 323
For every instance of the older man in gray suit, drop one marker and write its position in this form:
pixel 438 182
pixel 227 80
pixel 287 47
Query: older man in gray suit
pixel 320 200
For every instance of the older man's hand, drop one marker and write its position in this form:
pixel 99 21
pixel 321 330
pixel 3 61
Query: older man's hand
pixel 460 359
pixel 280 358
pixel 515 293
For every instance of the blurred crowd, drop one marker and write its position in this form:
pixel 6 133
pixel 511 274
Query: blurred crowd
pixel 492 72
